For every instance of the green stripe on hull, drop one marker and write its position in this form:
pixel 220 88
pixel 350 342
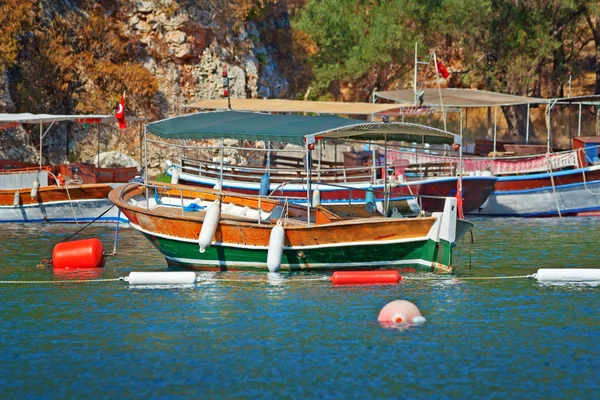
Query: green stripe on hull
pixel 419 254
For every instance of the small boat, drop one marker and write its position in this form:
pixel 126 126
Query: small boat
pixel 530 185
pixel 68 193
pixel 213 229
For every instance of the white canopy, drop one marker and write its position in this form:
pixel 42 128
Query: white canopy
pixel 27 118
pixel 461 98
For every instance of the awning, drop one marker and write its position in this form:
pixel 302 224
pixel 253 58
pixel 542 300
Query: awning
pixel 293 129
pixel 27 118
pixel 588 100
pixel 461 98
pixel 295 106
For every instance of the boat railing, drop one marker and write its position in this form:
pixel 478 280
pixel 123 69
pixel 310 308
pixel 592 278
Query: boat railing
pixel 364 173
pixel 501 165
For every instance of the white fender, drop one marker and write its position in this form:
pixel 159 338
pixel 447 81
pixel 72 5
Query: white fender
pixel 589 275
pixel 174 176
pixel 209 225
pixel 316 197
pixel 275 251
pixel 17 199
pixel 162 278
pixel 34 188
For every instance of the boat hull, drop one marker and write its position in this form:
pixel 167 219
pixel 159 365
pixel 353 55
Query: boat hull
pixel 575 192
pixel 420 254
pixel 81 203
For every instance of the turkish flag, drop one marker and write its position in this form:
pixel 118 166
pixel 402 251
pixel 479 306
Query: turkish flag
pixel 120 114
pixel 442 70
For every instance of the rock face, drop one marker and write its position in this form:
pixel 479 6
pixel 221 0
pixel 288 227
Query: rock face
pixel 193 43
pixel 189 44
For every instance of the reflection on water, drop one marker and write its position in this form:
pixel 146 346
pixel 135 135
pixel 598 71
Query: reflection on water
pixel 296 335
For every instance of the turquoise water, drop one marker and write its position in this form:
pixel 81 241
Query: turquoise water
pixel 304 339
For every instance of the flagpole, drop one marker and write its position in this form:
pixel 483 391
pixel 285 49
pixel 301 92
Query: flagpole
pixel 415 81
pixel 437 78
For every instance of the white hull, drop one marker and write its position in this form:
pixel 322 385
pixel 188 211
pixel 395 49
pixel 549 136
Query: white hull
pixel 570 199
pixel 79 211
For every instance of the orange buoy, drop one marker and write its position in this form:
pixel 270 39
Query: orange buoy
pixel 82 254
pixel 366 277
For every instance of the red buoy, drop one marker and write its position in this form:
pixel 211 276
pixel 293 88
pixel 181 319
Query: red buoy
pixel 366 277
pixel 82 254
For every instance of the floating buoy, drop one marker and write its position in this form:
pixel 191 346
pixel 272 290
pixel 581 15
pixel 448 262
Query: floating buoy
pixel 366 277
pixel 265 185
pixel 275 247
pixel 401 312
pixel 83 254
pixel 174 176
pixel 34 188
pixel 162 278
pixel 568 275
pixel 17 199
pixel 209 225
pixel 316 197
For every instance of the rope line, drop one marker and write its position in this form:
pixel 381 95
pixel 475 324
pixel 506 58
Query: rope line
pixel 282 280
pixel 64 281
pixel 464 278
pixel 96 219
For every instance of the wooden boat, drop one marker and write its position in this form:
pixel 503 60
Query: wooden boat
pixel 68 193
pixel 214 229
pixel 339 237
pixel 410 188
pixel 535 185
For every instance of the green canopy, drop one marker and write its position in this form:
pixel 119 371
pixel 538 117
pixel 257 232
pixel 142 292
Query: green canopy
pixel 289 128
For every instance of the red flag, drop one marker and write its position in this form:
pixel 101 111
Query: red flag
pixel 120 114
pixel 442 70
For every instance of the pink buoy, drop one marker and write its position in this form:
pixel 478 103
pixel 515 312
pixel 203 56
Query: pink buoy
pixel 401 312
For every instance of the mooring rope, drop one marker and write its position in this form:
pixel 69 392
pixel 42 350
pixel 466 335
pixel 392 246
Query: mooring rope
pixel 64 281
pixel 463 278
pixel 95 219
pixel 277 280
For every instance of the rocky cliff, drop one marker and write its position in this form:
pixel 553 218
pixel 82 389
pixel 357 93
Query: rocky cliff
pixel 185 47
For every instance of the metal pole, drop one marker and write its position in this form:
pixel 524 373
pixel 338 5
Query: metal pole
pixel 495 128
pixel 269 158
pixel 579 122
pixel 415 78
pixel 527 125
pixel 221 162
pixel 145 155
pixel 384 175
pixel 41 133
pixel 146 166
pixel 319 164
pixel 308 171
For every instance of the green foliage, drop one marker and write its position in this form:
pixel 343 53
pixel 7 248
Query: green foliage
pixel 163 178
pixel 505 45
pixel 355 39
